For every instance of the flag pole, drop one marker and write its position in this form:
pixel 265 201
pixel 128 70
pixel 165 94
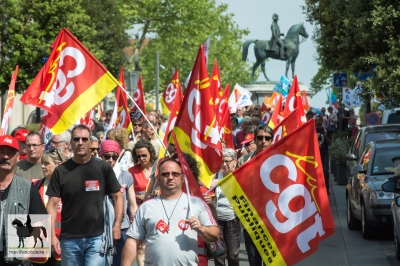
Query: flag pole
pixel 140 110
pixel 188 195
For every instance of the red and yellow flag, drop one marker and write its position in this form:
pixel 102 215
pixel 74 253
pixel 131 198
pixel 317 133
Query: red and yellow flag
pixel 70 83
pixel 171 94
pixel 265 114
pixel 285 207
pixel 9 104
pixel 286 127
pixel 196 126
pixel 215 85
pixel 138 97
pixel 123 117
pixel 277 114
pixel 294 101
pixel 305 100
pixel 173 115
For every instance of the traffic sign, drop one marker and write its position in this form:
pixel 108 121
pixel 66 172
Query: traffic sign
pixel 373 119
pixel 339 80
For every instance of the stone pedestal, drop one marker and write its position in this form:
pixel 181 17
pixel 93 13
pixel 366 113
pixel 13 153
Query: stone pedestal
pixel 261 89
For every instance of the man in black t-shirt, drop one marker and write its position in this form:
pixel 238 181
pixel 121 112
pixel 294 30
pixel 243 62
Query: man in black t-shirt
pixel 82 183
pixel 324 140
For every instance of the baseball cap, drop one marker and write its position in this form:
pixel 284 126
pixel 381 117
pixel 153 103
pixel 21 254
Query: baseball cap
pixel 9 141
pixel 248 138
pixel 21 134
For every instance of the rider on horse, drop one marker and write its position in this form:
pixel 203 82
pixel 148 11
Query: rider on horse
pixel 276 37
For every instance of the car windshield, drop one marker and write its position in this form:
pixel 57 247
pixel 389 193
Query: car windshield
pixel 383 160
pixel 374 136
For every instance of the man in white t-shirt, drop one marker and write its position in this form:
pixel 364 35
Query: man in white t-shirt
pixel 167 224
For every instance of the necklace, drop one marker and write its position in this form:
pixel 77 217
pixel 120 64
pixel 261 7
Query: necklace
pixel 169 218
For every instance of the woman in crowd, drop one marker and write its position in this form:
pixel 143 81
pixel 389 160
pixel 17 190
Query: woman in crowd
pixel 125 157
pixel 227 220
pixel 144 156
pixel 109 152
pixel 50 160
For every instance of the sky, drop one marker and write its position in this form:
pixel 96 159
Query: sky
pixel 256 16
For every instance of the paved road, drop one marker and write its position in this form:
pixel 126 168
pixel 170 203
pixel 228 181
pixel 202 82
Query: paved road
pixel 345 247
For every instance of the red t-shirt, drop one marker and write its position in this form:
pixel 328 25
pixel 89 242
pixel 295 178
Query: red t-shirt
pixel 139 178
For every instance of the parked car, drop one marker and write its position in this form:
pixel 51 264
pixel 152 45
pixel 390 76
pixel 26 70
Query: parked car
pixel 393 185
pixel 391 116
pixel 366 135
pixel 368 205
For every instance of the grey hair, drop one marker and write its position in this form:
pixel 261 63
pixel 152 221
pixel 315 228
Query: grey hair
pixel 94 139
pixel 246 119
pixel 65 136
pixel 228 152
pixel 99 133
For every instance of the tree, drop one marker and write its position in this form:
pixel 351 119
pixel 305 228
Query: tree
pixel 27 28
pixel 177 28
pixel 359 36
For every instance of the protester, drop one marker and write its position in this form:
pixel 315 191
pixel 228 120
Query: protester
pixel 324 140
pixel 94 146
pixel 107 120
pixel 125 157
pixel 62 142
pixel 50 160
pixel 149 135
pixel 240 114
pixel 325 118
pixel 31 167
pixel 263 139
pixel 164 124
pixel 255 118
pixel 309 115
pixel 242 134
pixel 344 115
pixel 109 153
pixel 82 184
pixel 14 189
pixel 249 144
pixel 228 222
pixel 137 129
pixel 100 136
pixel 97 127
pixel 353 123
pixel 332 120
pixel 20 135
pixel 235 128
pixel 173 241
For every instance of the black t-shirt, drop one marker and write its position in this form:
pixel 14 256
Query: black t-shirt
pixel 82 188
pixel 323 144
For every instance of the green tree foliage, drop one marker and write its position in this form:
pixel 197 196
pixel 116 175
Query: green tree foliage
pixel 359 35
pixel 27 28
pixel 177 28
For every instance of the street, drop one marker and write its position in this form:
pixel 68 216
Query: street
pixel 344 247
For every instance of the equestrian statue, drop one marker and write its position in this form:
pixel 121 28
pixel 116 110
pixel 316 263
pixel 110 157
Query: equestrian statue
pixel 281 49
pixel 27 230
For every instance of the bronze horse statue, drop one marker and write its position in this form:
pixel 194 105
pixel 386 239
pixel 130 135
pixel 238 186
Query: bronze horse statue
pixel 262 50
pixel 24 231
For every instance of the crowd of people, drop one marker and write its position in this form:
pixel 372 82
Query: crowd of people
pixel 112 201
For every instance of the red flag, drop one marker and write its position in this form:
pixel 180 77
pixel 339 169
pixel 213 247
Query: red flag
pixel 294 101
pixel 138 97
pixel 123 118
pixel 305 100
pixel 100 111
pixel 224 119
pixel 70 83
pixel 192 183
pixel 44 130
pixel 196 127
pixel 215 85
pixel 223 106
pixel 171 94
pixel 285 208
pixel 88 119
pixel 265 114
pixel 286 127
pixel 277 114
pixel 9 104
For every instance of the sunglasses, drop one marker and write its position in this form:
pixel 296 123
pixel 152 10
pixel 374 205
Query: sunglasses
pixel 137 125
pixel 83 139
pixel 52 150
pixel 249 143
pixel 94 149
pixel 267 138
pixel 108 156
pixel 167 174
pixel 141 156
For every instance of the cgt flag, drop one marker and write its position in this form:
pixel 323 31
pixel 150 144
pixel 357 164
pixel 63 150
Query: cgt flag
pixel 265 114
pixel 9 104
pixel 286 127
pixel 294 101
pixel 224 119
pixel 277 114
pixel 196 126
pixel 123 118
pixel 70 83
pixel 138 97
pixel 172 93
pixel 285 207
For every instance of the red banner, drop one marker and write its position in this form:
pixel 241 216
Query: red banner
pixel 285 208
pixel 70 83
pixel 88 119
pixel 138 97
pixel 277 114
pixel 224 119
pixel 123 118
pixel 265 114
pixel 294 101
pixel 215 85
pixel 286 127
pixel 196 126
pixel 5 123
pixel 171 94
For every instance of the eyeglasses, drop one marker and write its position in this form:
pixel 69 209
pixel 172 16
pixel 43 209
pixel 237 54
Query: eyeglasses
pixel 137 125
pixel 108 156
pixel 256 115
pixel 52 150
pixel 227 162
pixel 167 174
pixel 34 146
pixel 267 138
pixel 83 139
pixel 56 142
pixel 94 149
pixel 141 156
pixel 249 143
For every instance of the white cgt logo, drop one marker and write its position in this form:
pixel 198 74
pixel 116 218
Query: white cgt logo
pixel 8 140
pixel 61 91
